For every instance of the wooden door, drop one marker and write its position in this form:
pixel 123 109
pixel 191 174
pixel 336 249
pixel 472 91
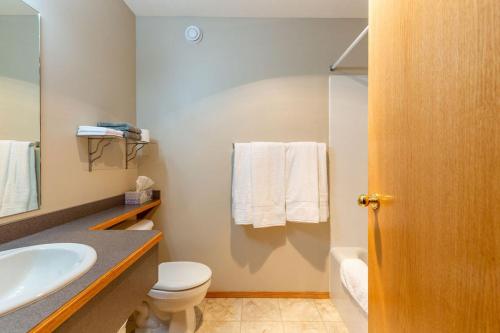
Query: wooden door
pixel 434 144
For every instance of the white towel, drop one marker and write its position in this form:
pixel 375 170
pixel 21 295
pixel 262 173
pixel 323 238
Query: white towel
pixel 323 183
pixel 18 183
pixel 268 184
pixel 242 186
pixel 98 131
pixel 354 277
pixel 302 185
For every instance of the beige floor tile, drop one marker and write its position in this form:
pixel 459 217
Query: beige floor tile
pixel 219 327
pixel 260 309
pixel 264 315
pixel 327 310
pixel 304 327
pixel 261 327
pixel 335 327
pixel 222 309
pixel 298 310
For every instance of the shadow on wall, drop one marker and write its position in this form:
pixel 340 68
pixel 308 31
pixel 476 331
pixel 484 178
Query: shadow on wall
pixel 236 52
pixel 111 152
pixel 252 247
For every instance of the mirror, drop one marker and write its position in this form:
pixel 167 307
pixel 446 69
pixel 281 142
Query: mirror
pixel 19 108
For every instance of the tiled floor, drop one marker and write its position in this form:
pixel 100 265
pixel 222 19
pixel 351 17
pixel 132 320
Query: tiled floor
pixel 268 315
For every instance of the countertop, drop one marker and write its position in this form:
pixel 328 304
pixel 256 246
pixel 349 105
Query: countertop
pixel 112 247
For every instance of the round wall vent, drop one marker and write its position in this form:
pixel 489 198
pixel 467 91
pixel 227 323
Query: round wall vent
pixel 193 34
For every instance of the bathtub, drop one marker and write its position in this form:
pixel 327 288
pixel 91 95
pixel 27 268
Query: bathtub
pixel 353 316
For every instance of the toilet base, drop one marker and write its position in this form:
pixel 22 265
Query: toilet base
pixel 180 322
pixel 183 321
pixel 154 325
pixel 162 322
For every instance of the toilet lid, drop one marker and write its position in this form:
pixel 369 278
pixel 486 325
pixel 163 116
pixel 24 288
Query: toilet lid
pixel 181 275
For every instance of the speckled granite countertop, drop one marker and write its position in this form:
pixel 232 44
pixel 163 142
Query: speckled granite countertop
pixel 112 247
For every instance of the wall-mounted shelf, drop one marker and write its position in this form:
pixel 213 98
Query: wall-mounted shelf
pixel 95 153
pixel 138 209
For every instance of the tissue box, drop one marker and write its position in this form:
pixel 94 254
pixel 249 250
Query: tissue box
pixel 138 198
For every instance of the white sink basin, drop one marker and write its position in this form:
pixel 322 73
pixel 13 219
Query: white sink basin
pixel 30 273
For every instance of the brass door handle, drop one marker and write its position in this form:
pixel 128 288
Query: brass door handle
pixel 372 200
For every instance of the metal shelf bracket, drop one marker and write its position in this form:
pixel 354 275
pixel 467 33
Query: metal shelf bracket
pixel 103 141
pixel 95 154
pixel 132 153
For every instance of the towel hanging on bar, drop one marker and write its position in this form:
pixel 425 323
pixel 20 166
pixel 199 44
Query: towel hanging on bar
pixel 297 167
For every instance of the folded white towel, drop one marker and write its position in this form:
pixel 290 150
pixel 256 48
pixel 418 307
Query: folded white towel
pixel 242 185
pixel 354 277
pixel 18 183
pixel 268 184
pixel 323 183
pixel 302 186
pixel 98 131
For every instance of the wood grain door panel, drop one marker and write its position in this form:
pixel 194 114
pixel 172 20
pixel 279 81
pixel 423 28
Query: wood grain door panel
pixel 434 144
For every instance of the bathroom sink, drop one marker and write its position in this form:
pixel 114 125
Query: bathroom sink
pixel 30 273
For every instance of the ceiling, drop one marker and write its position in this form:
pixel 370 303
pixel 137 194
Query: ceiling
pixel 251 8
pixel 15 7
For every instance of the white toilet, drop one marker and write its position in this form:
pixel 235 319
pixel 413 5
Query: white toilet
pixel 181 286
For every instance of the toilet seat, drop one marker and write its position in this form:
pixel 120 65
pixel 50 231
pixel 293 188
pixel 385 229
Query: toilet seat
pixel 181 276
pixel 182 294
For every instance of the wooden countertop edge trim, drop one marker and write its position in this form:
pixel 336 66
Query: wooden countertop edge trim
pixel 120 218
pixel 53 321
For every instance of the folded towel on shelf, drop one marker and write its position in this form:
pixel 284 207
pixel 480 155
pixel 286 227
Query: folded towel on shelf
pixel 18 182
pixel 354 277
pixel 242 184
pixel 302 186
pixel 323 183
pixel 98 131
pixel 268 184
pixel 120 126
pixel 131 136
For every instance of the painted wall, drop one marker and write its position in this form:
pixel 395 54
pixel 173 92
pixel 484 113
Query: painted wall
pixel 88 75
pixel 19 78
pixel 249 80
pixel 348 159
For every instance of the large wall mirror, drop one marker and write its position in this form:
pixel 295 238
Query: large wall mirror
pixel 19 108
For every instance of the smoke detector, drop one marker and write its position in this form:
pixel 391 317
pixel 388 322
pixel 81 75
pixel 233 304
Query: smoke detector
pixel 193 34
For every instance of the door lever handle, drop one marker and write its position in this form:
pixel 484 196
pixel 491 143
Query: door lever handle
pixel 372 200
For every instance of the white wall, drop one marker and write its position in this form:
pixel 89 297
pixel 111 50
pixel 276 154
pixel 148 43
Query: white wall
pixel 248 80
pixel 348 159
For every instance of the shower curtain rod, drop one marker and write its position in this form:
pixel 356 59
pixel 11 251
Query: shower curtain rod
pixel 349 49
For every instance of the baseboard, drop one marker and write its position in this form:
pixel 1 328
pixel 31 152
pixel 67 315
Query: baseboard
pixel 269 294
